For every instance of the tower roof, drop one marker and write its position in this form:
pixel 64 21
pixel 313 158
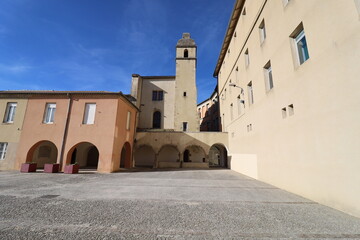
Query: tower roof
pixel 186 41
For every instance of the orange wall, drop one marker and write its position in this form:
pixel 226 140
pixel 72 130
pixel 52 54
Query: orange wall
pixel 34 130
pixel 108 132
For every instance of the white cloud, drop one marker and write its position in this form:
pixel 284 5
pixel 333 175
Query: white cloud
pixel 14 68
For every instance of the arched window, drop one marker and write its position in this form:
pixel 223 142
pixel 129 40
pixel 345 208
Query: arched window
pixel 186 53
pixel 157 119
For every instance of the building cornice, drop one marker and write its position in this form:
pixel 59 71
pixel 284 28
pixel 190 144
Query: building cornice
pixel 239 4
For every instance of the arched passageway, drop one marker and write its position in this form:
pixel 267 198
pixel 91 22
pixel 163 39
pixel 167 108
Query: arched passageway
pixel 144 156
pixel 125 158
pixel 42 152
pixel 195 154
pixel 85 154
pixel 169 153
pixel 218 156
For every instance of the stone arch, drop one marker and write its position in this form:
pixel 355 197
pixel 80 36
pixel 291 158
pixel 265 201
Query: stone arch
pixel 144 156
pixel 85 154
pixel 42 152
pixel 125 157
pixel 218 156
pixel 168 153
pixel 195 153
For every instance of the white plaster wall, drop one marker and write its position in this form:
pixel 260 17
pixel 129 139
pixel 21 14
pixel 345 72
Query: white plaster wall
pixel 166 107
pixel 315 151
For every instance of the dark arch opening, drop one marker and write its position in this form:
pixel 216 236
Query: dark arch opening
pixel 218 156
pixel 92 157
pixel 125 158
pixel 186 156
pixel 186 53
pixel 157 119
pixel 85 154
pixel 42 152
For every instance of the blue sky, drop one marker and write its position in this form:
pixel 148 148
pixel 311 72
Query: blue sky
pixel 97 44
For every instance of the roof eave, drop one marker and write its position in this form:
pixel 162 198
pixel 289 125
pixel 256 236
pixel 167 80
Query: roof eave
pixel 229 33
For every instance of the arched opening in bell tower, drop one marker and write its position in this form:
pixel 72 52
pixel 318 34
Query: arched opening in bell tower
pixel 186 53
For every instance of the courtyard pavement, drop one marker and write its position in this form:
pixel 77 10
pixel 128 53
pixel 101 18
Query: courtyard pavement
pixel 191 204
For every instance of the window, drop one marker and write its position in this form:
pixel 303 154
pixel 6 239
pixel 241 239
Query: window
pixel 3 147
pixel 285 2
pixel 10 112
pixel 223 121
pixel 49 113
pixel 268 76
pixel 207 106
pixel 239 102
pixel 291 109
pixel 262 31
pixel 128 120
pixel 247 58
pixel 231 112
pixel 237 74
pixel 244 11
pixel 250 93
pixel 185 126
pixel 357 3
pixel 186 53
pixel 301 47
pixel 89 115
pixel 157 95
pixel 283 112
pixel 184 94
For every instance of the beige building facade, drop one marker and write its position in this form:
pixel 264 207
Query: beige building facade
pixel 209 114
pixel 168 126
pixel 288 86
pixel 169 102
pixel 12 111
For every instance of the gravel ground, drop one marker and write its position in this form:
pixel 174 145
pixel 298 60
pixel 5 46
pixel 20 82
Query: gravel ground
pixel 208 204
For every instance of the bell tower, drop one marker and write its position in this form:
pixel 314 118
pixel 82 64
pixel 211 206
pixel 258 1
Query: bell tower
pixel 186 117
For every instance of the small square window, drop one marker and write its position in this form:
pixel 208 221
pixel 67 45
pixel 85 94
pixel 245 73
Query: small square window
pixel 49 115
pixel 10 112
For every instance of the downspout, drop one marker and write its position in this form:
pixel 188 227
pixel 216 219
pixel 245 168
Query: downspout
pixel 65 130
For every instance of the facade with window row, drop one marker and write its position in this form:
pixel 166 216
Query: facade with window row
pixel 288 80
pixel 93 129
pixel 209 114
